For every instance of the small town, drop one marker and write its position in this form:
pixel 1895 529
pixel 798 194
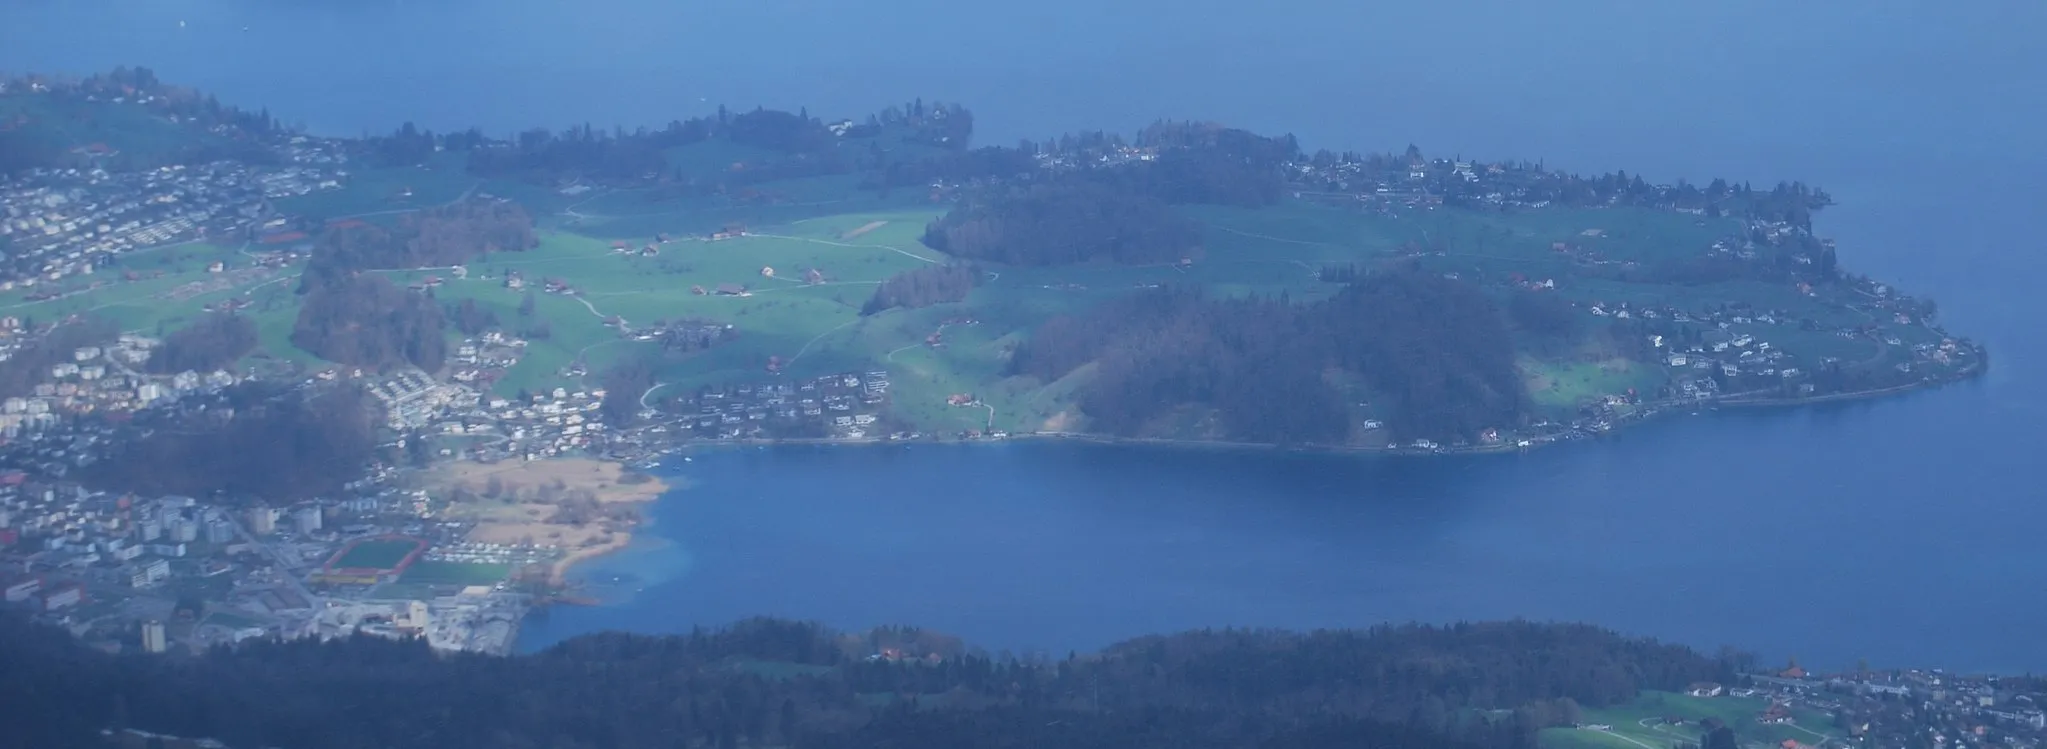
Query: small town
pixel 172 571
pixel 1899 708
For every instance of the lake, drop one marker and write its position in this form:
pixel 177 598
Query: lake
pixel 1901 530
pixel 1754 528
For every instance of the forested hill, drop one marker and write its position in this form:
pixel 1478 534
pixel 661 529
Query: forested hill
pixel 1436 350
pixel 767 683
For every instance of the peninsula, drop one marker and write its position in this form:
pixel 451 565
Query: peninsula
pixel 331 408
pixel 768 275
pixel 303 380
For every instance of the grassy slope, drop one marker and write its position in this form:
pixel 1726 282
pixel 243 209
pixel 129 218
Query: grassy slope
pixel 152 302
pixel 1638 724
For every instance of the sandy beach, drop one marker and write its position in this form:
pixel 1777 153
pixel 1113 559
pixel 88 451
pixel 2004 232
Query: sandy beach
pixel 584 506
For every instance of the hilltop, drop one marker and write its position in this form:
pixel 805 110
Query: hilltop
pixel 766 274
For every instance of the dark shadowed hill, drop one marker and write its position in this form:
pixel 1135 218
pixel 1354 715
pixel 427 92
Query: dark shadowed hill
pixel 776 683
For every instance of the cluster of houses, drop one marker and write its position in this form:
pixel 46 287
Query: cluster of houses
pixel 110 565
pixel 413 399
pixel 555 422
pixel 847 405
pixel 479 362
pixel 65 223
pixel 1900 708
pixel 531 426
pixel 61 542
pixel 97 379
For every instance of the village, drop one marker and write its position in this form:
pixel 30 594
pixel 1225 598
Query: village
pixel 155 573
pixel 1862 707
pixel 61 224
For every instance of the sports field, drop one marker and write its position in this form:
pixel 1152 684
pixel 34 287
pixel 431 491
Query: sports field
pixel 375 554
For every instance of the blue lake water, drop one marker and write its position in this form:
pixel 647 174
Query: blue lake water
pixel 1829 534
pixel 1905 531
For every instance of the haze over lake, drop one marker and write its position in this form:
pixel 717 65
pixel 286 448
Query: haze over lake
pixel 1902 530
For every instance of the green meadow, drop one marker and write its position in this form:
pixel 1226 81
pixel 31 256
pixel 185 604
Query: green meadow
pixel 375 554
pixel 854 239
pixel 1642 724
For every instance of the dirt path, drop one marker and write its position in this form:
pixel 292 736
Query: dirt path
pixel 892 354
pixel 649 393
pixel 813 240
pixel 865 228
pixel 807 344
pixel 1268 237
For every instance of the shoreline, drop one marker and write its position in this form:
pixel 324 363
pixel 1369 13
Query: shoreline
pixel 1650 412
pixel 585 506
pixel 622 540
pixel 558 571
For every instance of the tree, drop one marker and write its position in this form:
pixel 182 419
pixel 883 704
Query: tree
pixel 366 321
pixel 923 287
pixel 1436 354
pixel 1058 224
pixel 280 444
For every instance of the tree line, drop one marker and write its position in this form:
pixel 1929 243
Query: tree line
pixel 1793 202
pixel 261 440
pixel 1120 212
pixel 923 287
pixel 1434 355
pixel 1064 223
pixel 367 321
pixel 807 145
pixel 352 316
pixel 214 341
pixel 762 682
pixel 448 235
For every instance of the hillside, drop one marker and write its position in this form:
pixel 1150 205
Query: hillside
pixel 775 683
pixel 1364 301
pixel 123 120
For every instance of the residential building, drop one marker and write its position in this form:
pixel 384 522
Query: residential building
pixel 262 521
pixel 153 639
pixel 307 519
pixel 64 597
